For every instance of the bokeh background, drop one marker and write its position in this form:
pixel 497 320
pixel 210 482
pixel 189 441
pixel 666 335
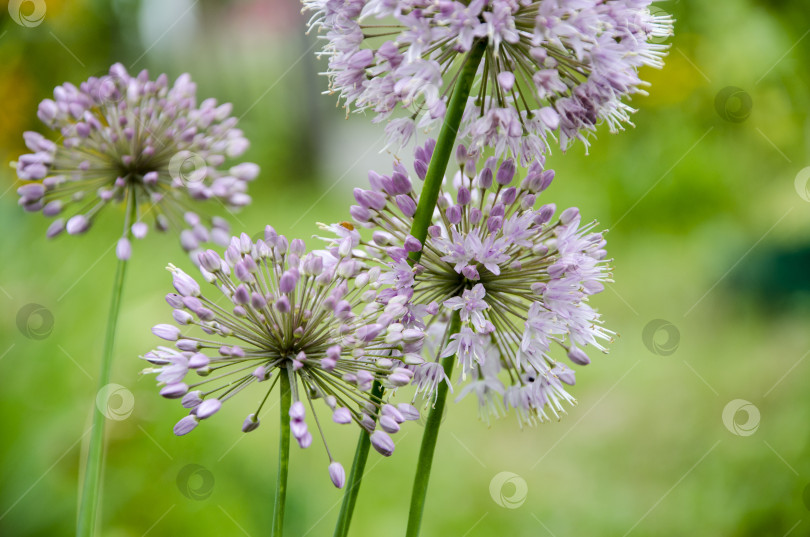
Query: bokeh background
pixel 695 423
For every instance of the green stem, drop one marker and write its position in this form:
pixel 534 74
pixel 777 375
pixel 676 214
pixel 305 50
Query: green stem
pixel 88 505
pixel 421 221
pixel 283 456
pixel 425 461
pixel 356 474
pixel 444 146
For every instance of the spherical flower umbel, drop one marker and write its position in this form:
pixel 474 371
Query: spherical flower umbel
pixel 551 67
pixel 142 144
pixel 316 321
pixel 518 277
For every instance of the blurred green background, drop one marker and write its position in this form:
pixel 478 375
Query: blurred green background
pixel 710 231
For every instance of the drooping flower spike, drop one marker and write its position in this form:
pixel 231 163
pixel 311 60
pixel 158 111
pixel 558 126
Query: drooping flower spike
pixel 318 321
pixel 141 144
pixel 519 277
pixel 550 68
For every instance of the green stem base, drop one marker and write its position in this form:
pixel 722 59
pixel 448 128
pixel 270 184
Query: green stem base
pixel 431 435
pixel 356 474
pixel 283 455
pixel 91 487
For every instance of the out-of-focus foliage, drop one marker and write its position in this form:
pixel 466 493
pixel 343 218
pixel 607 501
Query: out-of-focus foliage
pixel 709 232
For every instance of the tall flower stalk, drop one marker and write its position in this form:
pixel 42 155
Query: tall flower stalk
pixel 279 507
pixel 429 438
pixel 422 220
pixel 91 486
pixel 356 475
pixel 421 223
pixel 144 145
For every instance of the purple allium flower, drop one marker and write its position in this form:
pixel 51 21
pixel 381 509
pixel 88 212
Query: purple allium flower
pixel 139 143
pixel 324 321
pixel 552 67
pixel 519 278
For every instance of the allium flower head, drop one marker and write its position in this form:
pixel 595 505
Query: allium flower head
pixel 318 321
pixel 138 143
pixel 519 278
pixel 551 67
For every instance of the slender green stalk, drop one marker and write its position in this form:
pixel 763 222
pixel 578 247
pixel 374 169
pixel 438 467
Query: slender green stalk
pixel 444 146
pixel 421 221
pixel 431 434
pixel 88 505
pixel 356 474
pixel 283 456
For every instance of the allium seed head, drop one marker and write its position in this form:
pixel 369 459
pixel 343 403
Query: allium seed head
pixel 552 68
pixel 139 143
pixel 519 280
pixel 321 324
